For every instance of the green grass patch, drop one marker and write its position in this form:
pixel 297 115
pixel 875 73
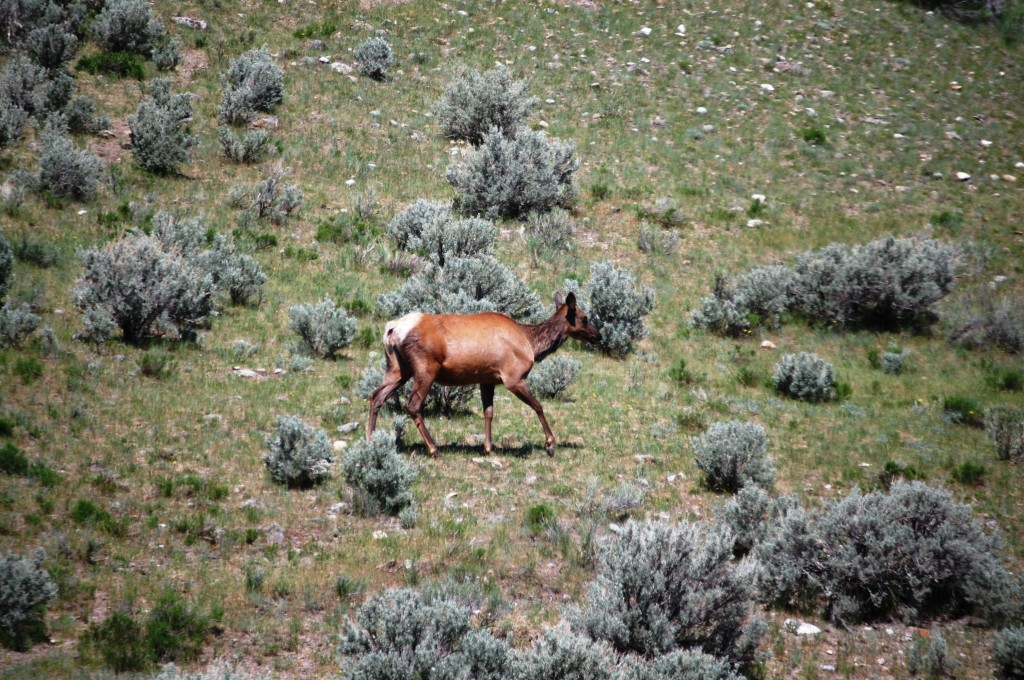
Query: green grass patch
pixel 114 64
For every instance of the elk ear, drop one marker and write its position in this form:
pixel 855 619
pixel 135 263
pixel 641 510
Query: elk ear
pixel 570 309
pixel 571 300
pixel 558 298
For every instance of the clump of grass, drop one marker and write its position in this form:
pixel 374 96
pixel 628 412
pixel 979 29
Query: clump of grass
pixel 969 473
pixel 963 409
pixel 539 518
pixel 28 369
pixel 115 64
pixel 815 136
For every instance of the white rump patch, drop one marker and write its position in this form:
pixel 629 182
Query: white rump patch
pixel 395 331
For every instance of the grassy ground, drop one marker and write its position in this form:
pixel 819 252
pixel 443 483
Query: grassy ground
pixel 851 141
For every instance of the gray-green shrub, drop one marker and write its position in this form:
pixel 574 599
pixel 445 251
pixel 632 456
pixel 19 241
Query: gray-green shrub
pixel 1008 653
pixel 615 305
pixel 253 147
pixel 166 54
pixel 299 455
pixel 563 655
pixel 65 170
pixel 160 134
pixel 254 82
pixel 12 121
pixel 81 116
pixel 374 58
pixel 421 216
pixel 893 362
pixel 805 376
pixel 270 199
pixel 381 479
pixel 731 455
pixel 1004 426
pixel 22 83
pixel 757 297
pixel 127 26
pixel 51 46
pixel 25 590
pixel 511 177
pixel 140 284
pixel 551 377
pixel 6 265
pixel 678 665
pixel 17 322
pixel 661 587
pixel 474 102
pixel 322 328
pixel 550 232
pixel 929 656
pixel 913 552
pixel 982 320
pixel 750 514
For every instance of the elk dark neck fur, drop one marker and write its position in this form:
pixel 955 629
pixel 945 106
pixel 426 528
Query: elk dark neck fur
pixel 547 336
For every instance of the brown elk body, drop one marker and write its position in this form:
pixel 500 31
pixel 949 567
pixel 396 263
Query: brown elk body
pixel 486 349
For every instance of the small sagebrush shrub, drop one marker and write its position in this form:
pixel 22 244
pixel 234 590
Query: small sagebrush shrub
pixel 679 665
pixel 550 378
pixel 959 408
pixel 401 633
pixel 731 455
pixel 929 656
pixel 616 306
pixel 140 285
pixel 176 630
pixel 1008 653
pixel 805 376
pixel 982 320
pixel 421 217
pixel 322 328
pixel 13 119
pixel 25 590
pixel 81 116
pixel 127 26
pixel 474 102
pixel 374 58
pixel 299 455
pixel 51 46
pixel 6 265
pixel 270 199
pixel 166 54
pixel 380 478
pixel 253 147
pixel 550 232
pixel 564 655
pixel 1004 426
pixel 160 134
pixel 890 283
pixel 512 177
pixel 661 587
pixel 23 86
pixel 17 322
pixel 913 553
pixel 254 82
pixel 65 170
pixel 120 641
pixel 749 515
pixel 893 362
pixel 757 297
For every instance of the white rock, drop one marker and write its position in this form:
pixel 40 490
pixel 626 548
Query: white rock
pixel 646 30
pixel 897 135
pixel 865 465
pixel 549 101
pixel 760 198
pixel 701 110
pixel 754 223
pixel 963 176
pixel 341 67
pixel 986 142
pixel 542 124
pixel 810 112
pixel 1009 178
pixel 1019 164
pixel 767 344
pixel 379 535
pixel 340 445
pixel 614 528
pixel 880 661
pixel 324 59
pixel 807 629
pixel 348 427
pixel 350 182
pixel 767 87
pixel 681 30
pixel 83 212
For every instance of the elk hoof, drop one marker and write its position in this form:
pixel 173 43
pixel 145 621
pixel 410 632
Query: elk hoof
pixel 551 451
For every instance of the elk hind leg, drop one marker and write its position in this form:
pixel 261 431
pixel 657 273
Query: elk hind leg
pixel 420 388
pixel 487 396
pixel 395 376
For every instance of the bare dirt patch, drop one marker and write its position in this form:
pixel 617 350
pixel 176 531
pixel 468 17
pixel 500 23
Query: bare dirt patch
pixel 192 62
pixel 113 145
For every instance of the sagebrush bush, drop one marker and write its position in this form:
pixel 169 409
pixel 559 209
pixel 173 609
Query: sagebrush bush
pixel 929 656
pixel 253 82
pixel 512 177
pixel 253 147
pixel 299 455
pixel 750 513
pixel 551 377
pixel 166 54
pixel 421 216
pixel 678 665
pixel 401 634
pixel 81 116
pixel 1008 652
pixel 893 362
pixel 563 655
pixel 661 587
pixel 982 320
pixel 888 283
pixel 374 58
pixel 731 455
pixel 141 286
pixel 270 199
pixel 474 102
pixel 322 328
pixel 17 322
pixel 757 297
pixel 65 170
pixel 160 133
pixel 25 590
pixel 381 479
pixel 12 121
pixel 1004 426
pixel 913 553
pixel 51 46
pixel 615 305
pixel 127 26
pixel 805 376
pixel 550 232
pixel 6 265
pixel 22 85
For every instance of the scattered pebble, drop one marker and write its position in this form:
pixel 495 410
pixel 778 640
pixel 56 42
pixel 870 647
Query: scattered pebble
pixel 645 31
pixel 701 110
pixel 754 223
pixel 681 30
pixel 986 142
pixel 1009 178
pixel 326 59
pixel 963 176
pixel 350 182
pixel 767 87
pixel 767 344
pixel 379 535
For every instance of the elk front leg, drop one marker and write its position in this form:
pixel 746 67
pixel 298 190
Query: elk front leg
pixel 487 396
pixel 520 390
pixel 420 388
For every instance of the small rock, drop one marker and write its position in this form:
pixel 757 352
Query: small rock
pixel 880 661
pixel 549 101
pixel 336 508
pixel 326 59
pixel 348 427
pixel 828 667
pixel 1009 178
pixel 767 344
pixel 375 113
pixel 530 480
pixel 758 197
pixel 767 87
pixel 614 528
pixel 645 31
pixel 379 535
pixel 344 401
pixel 643 458
pixel 275 534
pixel 83 212
pixel 341 67
pixel 986 143
pixel 271 122
pixel 754 223
pixel 317 45
pixel 249 503
pixel 950 134
pixel 963 176
pixel 865 465
pixel 197 24
pixel 807 629
pixel 213 416
pixel 350 182
pixel 543 124
pixel 671 479
pixel 658 121
pixel 340 446
pixel 681 30
pixel 702 110
pixel 810 112
pixel 247 373
pixel 1019 164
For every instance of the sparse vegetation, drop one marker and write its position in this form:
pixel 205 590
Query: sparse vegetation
pixel 298 455
pixel 374 58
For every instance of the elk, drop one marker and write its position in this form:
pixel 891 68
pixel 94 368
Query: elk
pixel 486 349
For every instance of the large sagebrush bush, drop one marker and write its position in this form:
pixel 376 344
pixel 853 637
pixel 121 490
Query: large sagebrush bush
pixel 323 329
pixel 983 320
pixel 552 377
pixel 299 455
pixel 380 477
pixel 13 119
pixel 81 116
pixel 253 82
pixel 374 57
pixel 143 287
pixel 160 134
pixel 51 46
pixel 127 26
pixel 25 590
pixel 419 217
pixel 270 198
pixel 888 283
pixel 615 304
pixel 65 169
pixel 474 102
pixel 805 376
pixel 22 85
pixel 757 297
pixel 513 176
pixel 661 587
pixel 731 455
pixel 750 514
pixel 1008 653
pixel 17 322
pixel 563 655
pixel 1004 426
pixel 913 553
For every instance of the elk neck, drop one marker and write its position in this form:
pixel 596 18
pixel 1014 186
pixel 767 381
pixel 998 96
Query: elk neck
pixel 547 336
